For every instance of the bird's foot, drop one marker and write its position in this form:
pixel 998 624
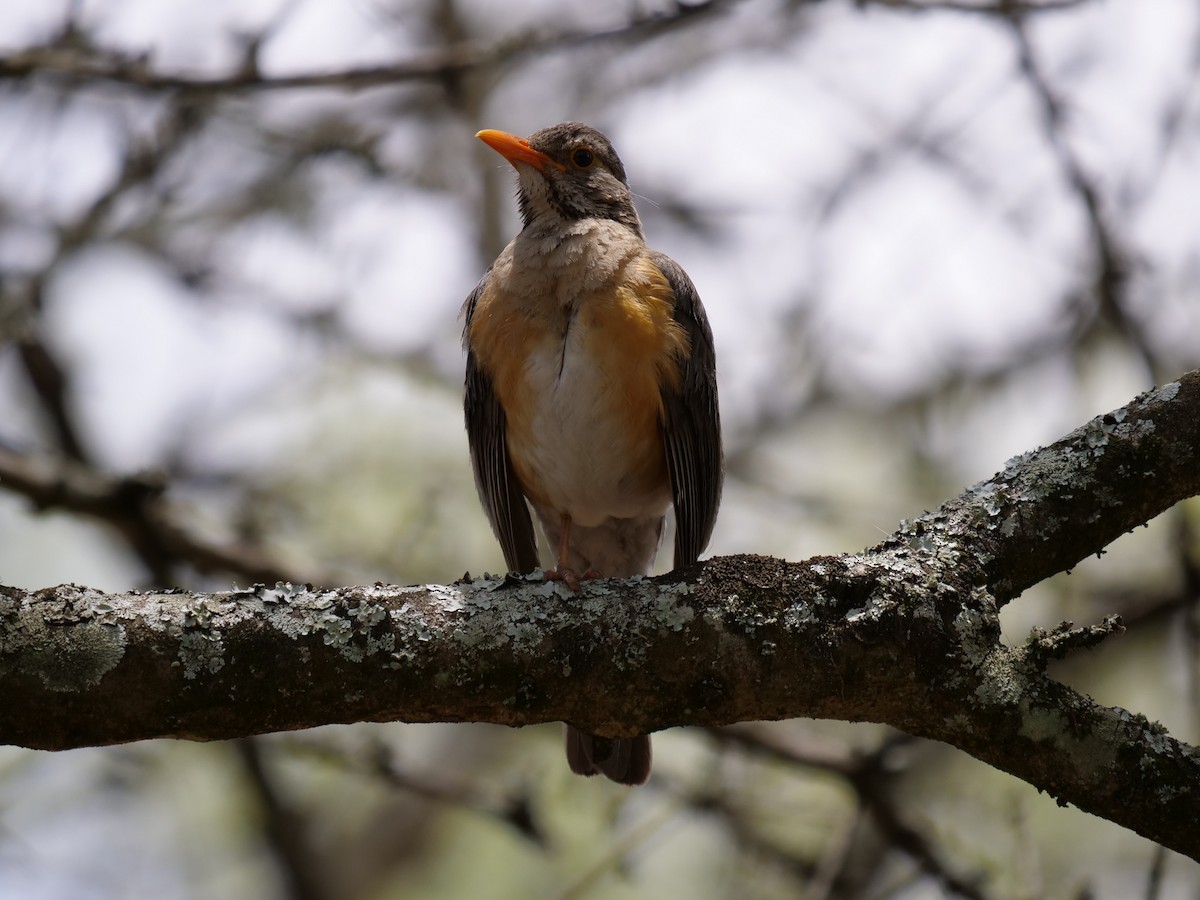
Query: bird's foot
pixel 570 577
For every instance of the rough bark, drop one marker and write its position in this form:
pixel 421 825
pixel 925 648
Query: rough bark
pixel 906 633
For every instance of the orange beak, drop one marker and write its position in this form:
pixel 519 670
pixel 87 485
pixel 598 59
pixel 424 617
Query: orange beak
pixel 515 149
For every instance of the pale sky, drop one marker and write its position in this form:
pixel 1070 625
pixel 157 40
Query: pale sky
pixel 884 175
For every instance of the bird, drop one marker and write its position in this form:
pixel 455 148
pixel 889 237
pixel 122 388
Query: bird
pixel 591 390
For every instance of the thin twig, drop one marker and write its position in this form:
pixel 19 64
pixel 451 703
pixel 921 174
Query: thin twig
pixel 138 72
pixel 283 829
pixel 136 507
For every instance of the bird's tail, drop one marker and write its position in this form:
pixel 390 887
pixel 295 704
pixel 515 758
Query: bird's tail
pixel 623 760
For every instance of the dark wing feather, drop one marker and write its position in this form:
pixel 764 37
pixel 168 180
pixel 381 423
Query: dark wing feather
pixel 692 425
pixel 497 485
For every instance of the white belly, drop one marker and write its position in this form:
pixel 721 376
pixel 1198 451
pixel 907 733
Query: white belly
pixel 588 466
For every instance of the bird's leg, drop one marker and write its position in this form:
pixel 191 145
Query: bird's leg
pixel 563 572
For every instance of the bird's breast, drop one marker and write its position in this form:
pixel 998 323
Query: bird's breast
pixel 581 386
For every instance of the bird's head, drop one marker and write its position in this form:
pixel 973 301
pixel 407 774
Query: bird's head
pixel 566 173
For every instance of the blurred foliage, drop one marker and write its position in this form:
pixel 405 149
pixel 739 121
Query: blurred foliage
pixel 930 234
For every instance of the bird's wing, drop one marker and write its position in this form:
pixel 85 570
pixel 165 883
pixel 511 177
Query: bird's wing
pixel 692 423
pixel 497 485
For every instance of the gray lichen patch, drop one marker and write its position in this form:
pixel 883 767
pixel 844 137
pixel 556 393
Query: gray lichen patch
pixel 201 650
pixel 668 607
pixel 1001 685
pixel 977 626
pixel 1091 749
pixel 488 613
pixel 1068 465
pixel 530 617
pixel 1163 394
pixel 355 622
pixel 70 653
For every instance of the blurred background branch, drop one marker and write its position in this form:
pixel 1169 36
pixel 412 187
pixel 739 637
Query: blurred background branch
pixel 234 237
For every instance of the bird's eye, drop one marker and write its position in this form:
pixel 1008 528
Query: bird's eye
pixel 582 158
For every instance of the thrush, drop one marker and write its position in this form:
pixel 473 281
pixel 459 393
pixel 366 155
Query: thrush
pixel 591 391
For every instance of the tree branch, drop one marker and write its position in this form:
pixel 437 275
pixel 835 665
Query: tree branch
pixel 1050 508
pixel 1001 8
pixel 93 65
pixel 136 508
pixel 906 633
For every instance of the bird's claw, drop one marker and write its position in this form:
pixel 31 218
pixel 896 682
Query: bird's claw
pixel 569 577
